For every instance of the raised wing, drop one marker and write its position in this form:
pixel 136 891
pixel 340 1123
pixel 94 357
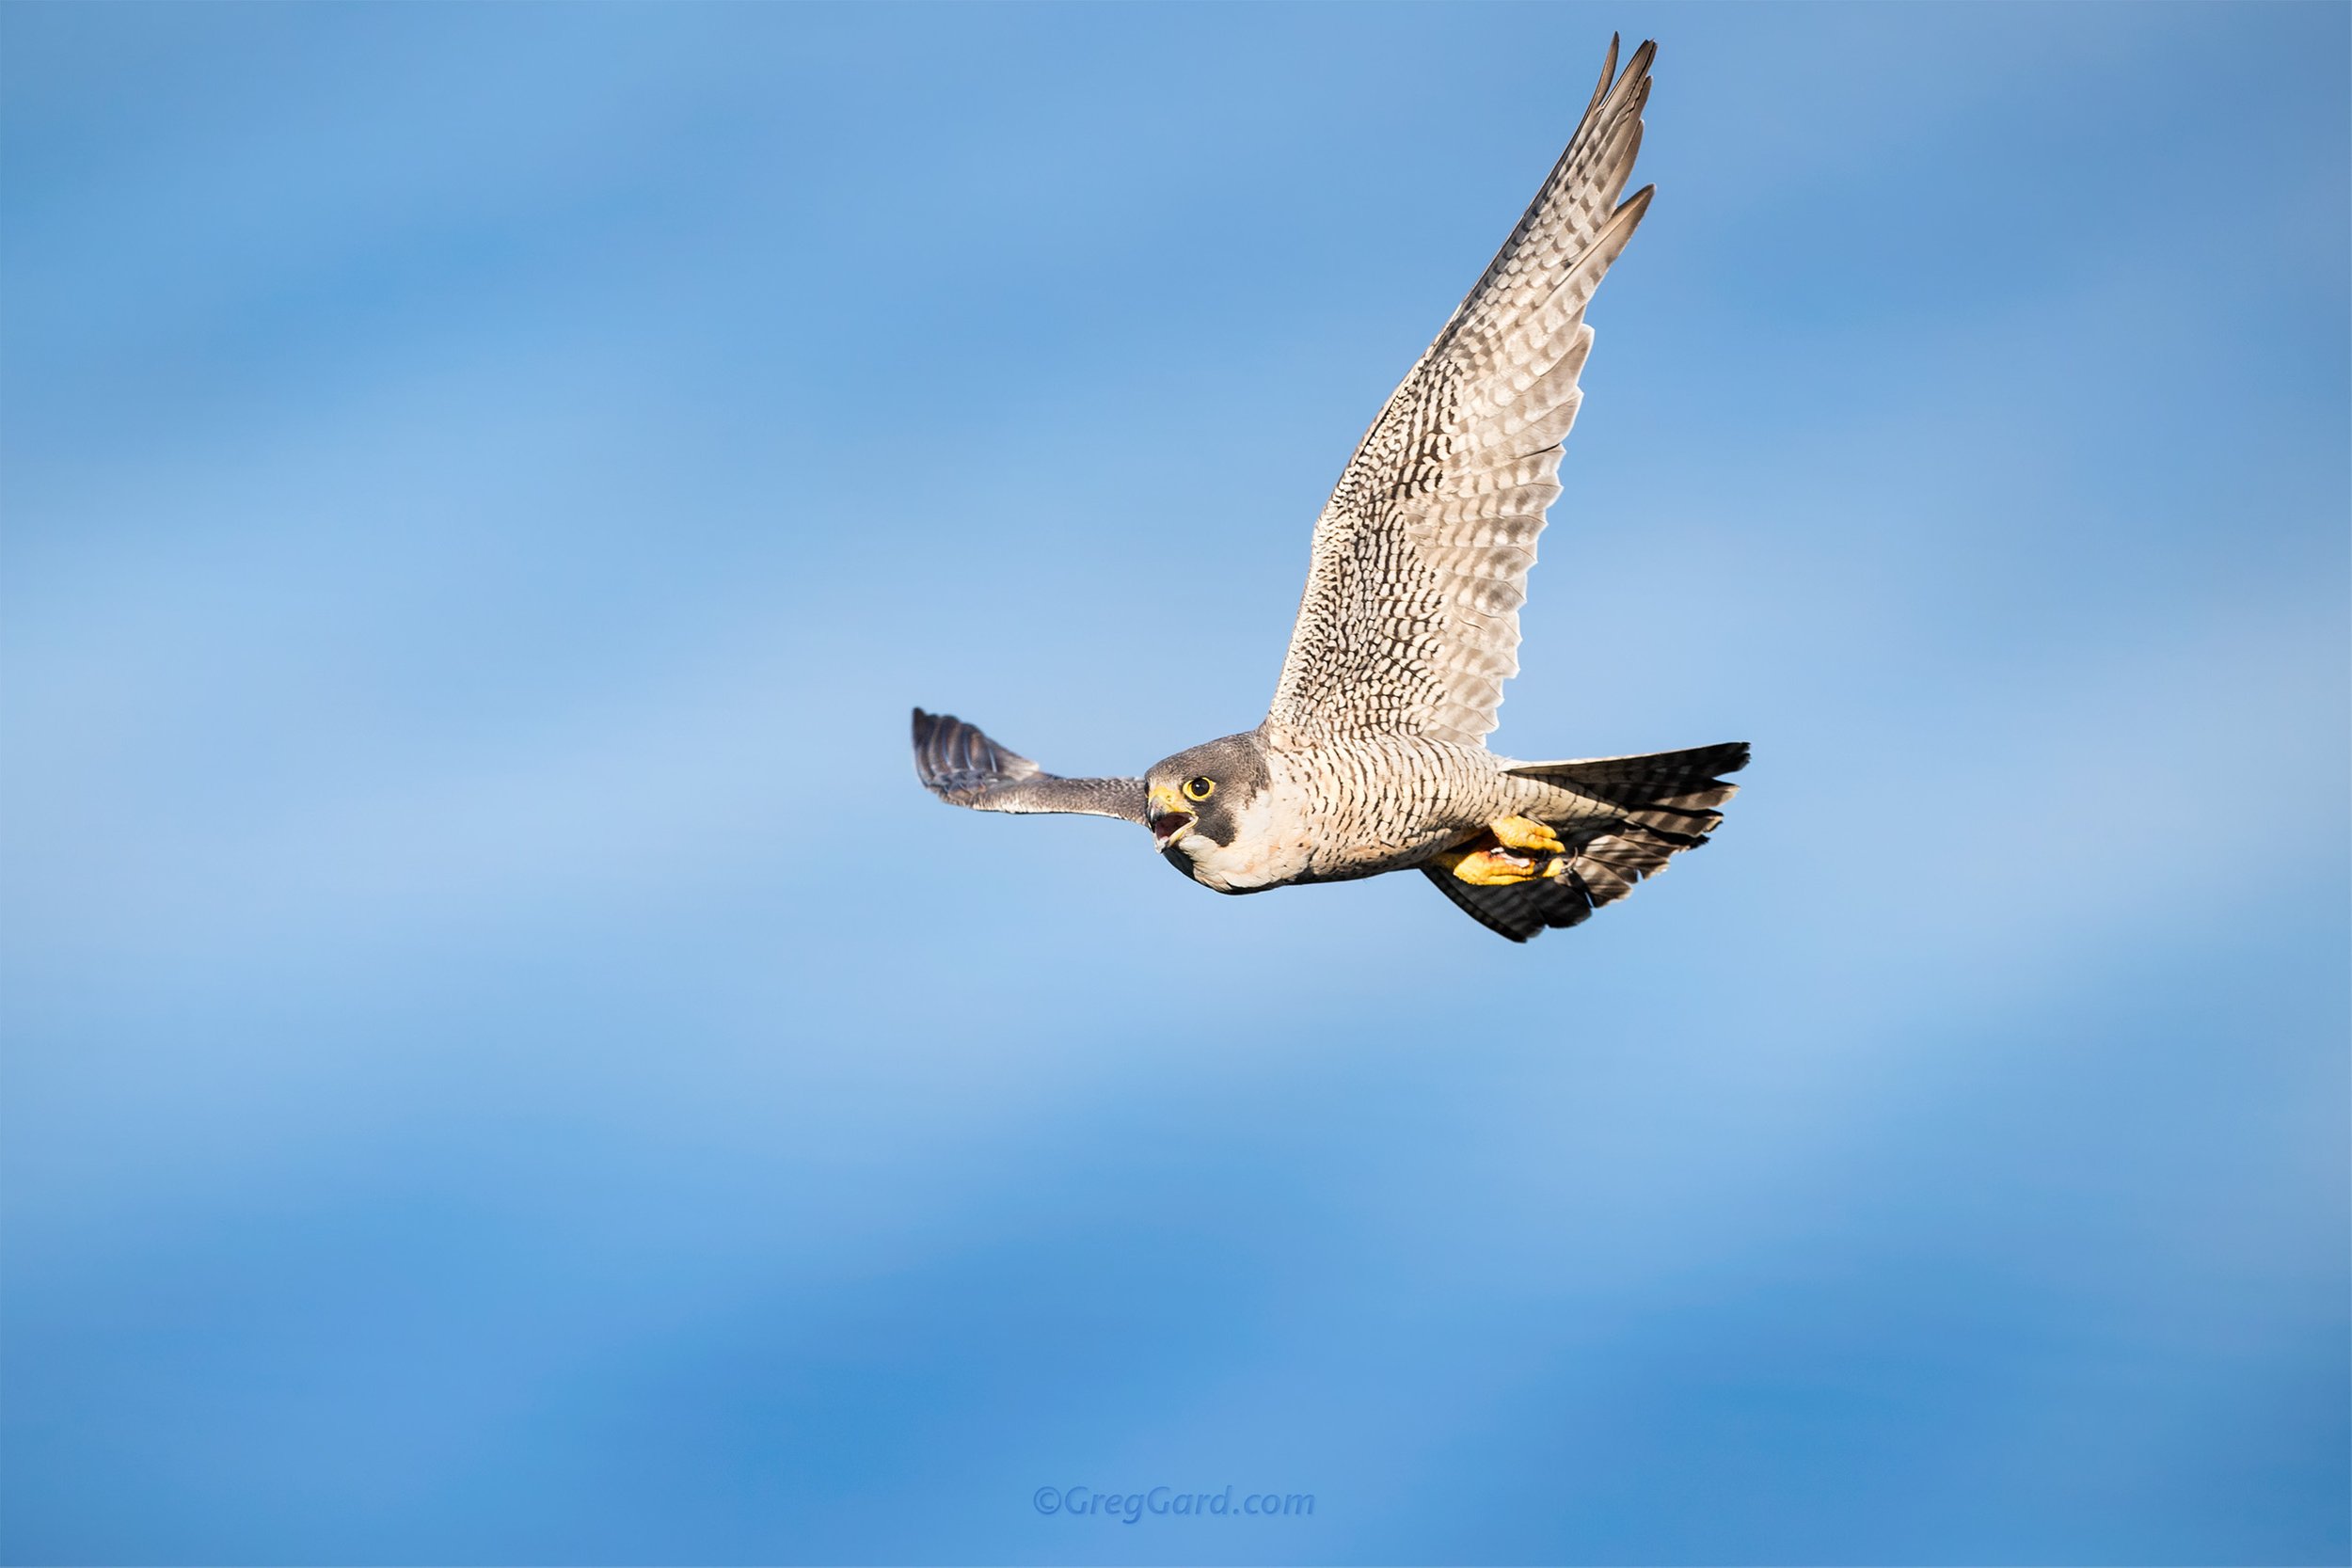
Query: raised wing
pixel 1411 618
pixel 963 767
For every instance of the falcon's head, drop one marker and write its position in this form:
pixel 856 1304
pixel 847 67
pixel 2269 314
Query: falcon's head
pixel 1198 803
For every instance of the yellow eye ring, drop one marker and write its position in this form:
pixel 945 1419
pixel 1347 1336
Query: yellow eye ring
pixel 1200 789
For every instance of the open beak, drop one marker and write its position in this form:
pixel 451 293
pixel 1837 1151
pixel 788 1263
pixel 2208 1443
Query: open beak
pixel 1167 818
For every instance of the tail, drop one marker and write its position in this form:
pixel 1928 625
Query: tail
pixel 1666 805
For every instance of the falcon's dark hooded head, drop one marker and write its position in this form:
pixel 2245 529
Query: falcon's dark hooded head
pixel 1196 800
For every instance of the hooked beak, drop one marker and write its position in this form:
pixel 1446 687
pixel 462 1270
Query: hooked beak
pixel 1167 818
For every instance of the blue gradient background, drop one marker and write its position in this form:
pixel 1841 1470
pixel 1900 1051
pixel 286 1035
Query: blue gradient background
pixel 504 1064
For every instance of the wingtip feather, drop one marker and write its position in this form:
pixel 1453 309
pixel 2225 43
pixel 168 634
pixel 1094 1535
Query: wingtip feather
pixel 1608 74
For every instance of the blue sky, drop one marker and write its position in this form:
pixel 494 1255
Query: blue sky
pixel 503 1063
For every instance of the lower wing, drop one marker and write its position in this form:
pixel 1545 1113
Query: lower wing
pixel 963 767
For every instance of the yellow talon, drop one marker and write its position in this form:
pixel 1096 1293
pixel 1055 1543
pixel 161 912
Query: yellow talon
pixel 1512 849
pixel 1493 869
pixel 1525 833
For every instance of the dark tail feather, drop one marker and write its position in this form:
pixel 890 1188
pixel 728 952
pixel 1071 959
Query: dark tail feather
pixel 1656 779
pixel 1668 801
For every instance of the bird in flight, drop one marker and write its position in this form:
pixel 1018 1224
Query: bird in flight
pixel 1374 756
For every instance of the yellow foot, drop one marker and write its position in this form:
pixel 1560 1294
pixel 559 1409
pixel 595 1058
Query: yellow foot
pixel 1525 833
pixel 1513 850
pixel 1492 867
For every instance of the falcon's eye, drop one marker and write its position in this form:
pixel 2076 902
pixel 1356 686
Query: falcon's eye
pixel 1200 789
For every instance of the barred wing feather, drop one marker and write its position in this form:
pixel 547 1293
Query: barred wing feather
pixel 1409 621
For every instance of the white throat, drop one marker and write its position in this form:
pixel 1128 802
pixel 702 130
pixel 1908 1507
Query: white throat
pixel 1266 850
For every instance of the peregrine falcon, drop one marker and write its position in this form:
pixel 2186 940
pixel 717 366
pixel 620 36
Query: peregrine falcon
pixel 1374 755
